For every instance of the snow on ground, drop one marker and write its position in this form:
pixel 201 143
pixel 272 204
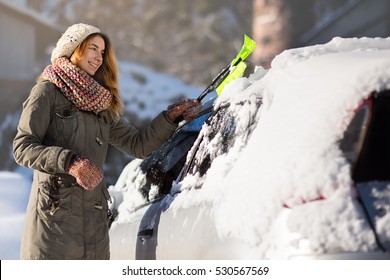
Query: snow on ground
pixel 14 192
pixel 292 156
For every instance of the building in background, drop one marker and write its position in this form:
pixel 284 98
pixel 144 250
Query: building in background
pixel 356 18
pixel 25 45
pixel 285 24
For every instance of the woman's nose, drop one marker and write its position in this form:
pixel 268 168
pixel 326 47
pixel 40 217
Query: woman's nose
pixel 99 57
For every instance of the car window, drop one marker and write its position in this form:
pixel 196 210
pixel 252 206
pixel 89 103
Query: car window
pixel 218 136
pixel 352 141
pixel 163 166
pixel 221 124
pixel 373 162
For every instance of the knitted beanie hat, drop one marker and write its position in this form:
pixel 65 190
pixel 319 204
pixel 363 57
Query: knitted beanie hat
pixel 71 39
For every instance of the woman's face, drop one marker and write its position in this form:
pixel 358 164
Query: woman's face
pixel 92 57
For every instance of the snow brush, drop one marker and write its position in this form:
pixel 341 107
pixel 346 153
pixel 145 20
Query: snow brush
pixel 233 71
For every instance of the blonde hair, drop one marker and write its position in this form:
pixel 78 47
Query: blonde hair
pixel 107 74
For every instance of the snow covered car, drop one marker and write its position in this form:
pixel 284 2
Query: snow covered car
pixel 292 163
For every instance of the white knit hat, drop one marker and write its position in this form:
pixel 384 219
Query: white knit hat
pixel 72 37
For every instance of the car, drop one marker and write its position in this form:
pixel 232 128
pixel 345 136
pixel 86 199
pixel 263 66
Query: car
pixel 290 163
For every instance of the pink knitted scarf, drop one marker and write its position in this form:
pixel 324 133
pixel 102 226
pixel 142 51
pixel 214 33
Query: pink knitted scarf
pixel 77 86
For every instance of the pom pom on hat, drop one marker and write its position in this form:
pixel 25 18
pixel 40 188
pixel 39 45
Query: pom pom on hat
pixel 71 39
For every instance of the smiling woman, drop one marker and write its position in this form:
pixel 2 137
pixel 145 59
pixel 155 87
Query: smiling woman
pixel 89 56
pixel 71 116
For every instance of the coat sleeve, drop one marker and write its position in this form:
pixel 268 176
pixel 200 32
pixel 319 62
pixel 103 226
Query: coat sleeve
pixel 28 148
pixel 141 142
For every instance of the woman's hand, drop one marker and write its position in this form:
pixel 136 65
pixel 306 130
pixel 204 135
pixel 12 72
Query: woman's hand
pixel 86 173
pixel 186 109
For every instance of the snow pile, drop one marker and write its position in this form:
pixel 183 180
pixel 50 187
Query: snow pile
pixel 14 192
pixel 293 156
pixel 126 190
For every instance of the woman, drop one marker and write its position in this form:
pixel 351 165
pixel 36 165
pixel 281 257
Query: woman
pixel 70 117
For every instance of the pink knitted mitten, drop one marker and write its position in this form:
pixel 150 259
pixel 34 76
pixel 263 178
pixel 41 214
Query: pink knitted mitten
pixel 86 173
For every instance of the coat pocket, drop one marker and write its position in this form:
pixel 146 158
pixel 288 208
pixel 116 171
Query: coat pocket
pixel 54 201
pixel 66 119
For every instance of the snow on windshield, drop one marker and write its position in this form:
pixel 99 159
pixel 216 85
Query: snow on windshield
pixel 292 156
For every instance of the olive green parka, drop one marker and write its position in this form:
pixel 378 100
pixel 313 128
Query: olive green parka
pixel 63 220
